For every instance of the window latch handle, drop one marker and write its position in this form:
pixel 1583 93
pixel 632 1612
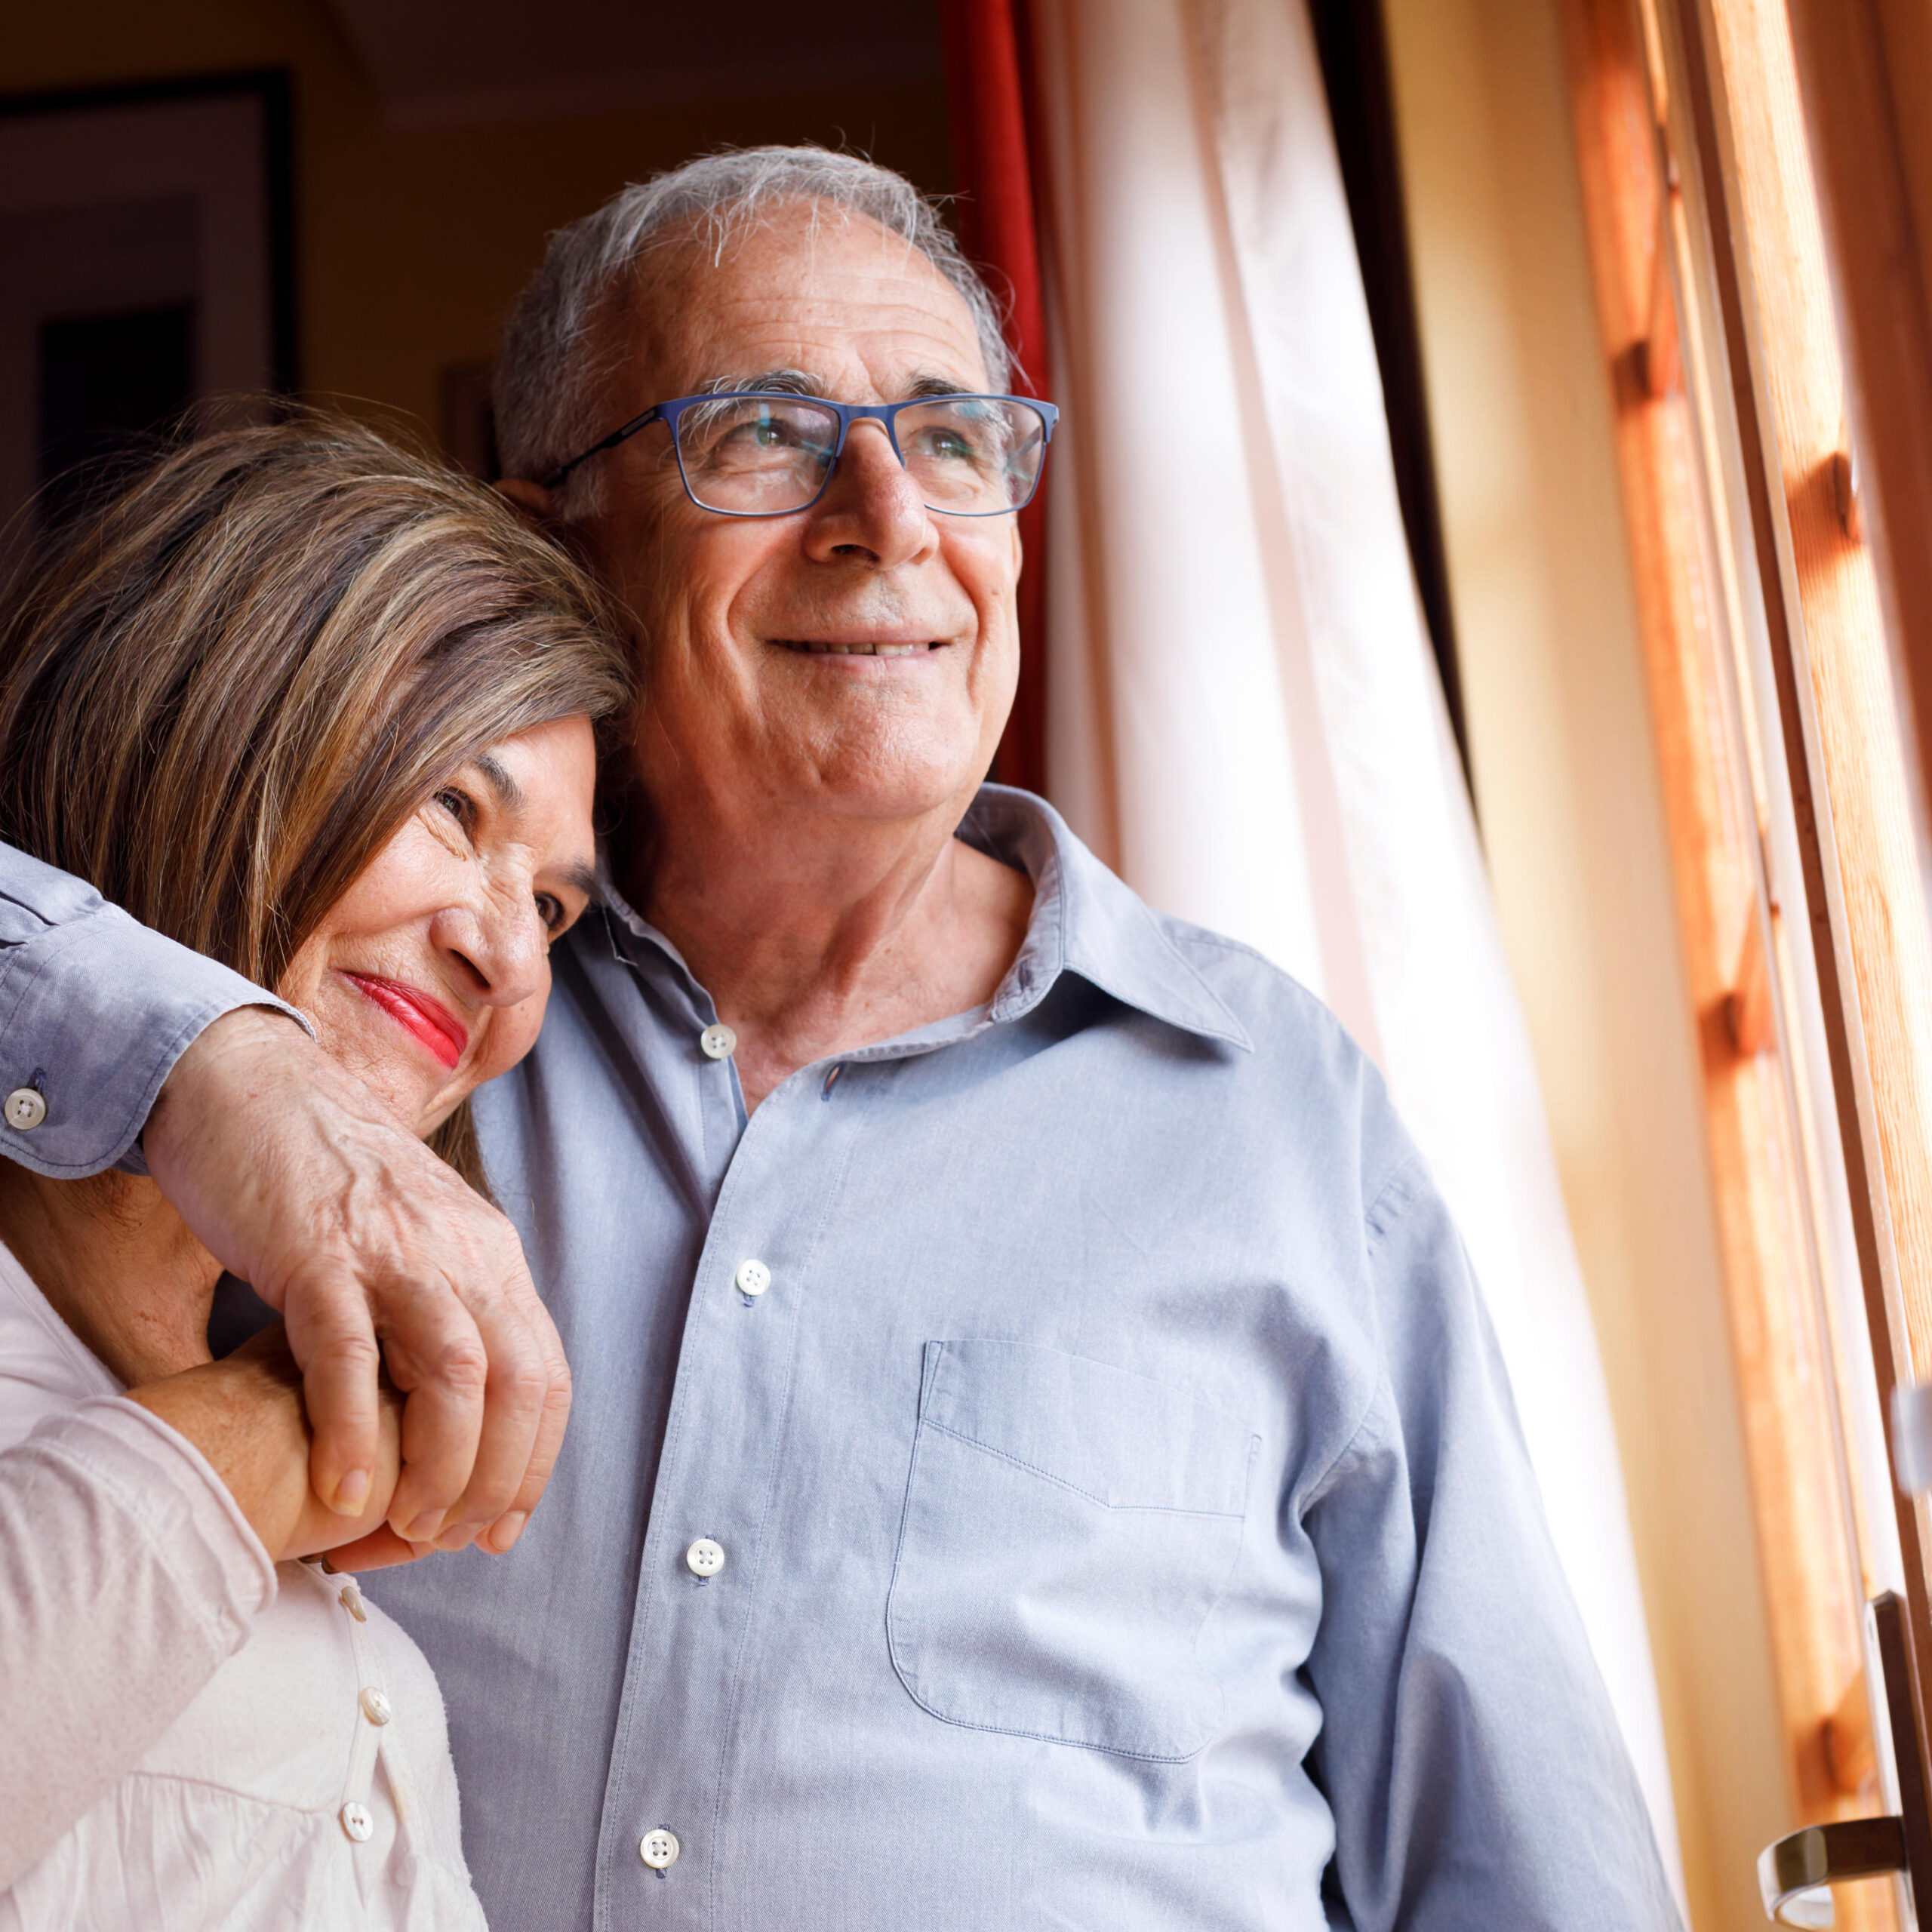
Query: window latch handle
pixel 1794 1870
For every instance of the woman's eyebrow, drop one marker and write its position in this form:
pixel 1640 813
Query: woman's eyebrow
pixel 509 792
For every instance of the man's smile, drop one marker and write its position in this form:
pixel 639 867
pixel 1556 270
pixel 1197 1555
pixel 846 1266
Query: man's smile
pixel 859 647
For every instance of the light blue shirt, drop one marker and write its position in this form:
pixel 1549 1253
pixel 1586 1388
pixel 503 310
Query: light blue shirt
pixel 1123 1518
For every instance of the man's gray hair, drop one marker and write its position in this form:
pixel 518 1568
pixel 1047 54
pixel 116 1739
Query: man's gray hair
pixel 548 367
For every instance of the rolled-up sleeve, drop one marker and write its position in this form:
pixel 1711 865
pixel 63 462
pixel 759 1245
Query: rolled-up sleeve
pixel 1468 1749
pixel 128 1577
pixel 95 1009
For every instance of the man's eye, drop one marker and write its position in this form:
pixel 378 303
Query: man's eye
pixel 551 912
pixel 949 446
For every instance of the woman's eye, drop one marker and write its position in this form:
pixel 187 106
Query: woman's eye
pixel 457 803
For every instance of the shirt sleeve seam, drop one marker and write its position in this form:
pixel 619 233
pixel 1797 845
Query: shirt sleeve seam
pixel 1390 1202
pixel 1385 1207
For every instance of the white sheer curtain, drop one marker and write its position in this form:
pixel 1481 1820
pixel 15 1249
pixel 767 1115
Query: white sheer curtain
pixel 1245 718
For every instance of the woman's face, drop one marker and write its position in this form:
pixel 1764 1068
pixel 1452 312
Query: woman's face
pixel 429 975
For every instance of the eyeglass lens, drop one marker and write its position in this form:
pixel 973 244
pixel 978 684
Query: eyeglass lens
pixel 762 456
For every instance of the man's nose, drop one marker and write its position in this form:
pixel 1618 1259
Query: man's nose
pixel 871 505
pixel 499 945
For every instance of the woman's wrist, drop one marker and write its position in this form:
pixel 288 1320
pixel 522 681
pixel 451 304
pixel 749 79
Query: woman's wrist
pixel 245 1415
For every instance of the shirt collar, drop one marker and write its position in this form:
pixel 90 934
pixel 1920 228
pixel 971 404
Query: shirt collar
pixel 1085 920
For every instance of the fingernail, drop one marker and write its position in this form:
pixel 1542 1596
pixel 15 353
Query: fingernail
pixel 424 1529
pixel 459 1536
pixel 503 1533
pixel 352 1492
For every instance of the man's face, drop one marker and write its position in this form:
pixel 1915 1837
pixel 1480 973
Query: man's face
pixel 858 657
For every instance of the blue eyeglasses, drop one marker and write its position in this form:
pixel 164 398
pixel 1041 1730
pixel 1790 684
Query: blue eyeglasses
pixel 767 454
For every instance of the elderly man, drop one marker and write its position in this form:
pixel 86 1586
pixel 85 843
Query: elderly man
pixel 1039 1457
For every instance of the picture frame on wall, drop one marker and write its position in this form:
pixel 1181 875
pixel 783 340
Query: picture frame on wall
pixel 146 266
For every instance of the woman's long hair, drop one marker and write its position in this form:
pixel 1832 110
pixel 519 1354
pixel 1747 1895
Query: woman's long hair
pixel 223 688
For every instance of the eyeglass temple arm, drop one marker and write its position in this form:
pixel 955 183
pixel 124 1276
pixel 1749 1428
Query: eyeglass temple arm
pixel 610 442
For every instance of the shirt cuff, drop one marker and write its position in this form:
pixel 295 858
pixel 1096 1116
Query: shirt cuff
pixel 95 1010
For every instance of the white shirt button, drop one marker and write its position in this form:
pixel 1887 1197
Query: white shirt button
pixel 659 1849
pixel 753 1277
pixel 705 1558
pixel 352 1602
pixel 357 1822
pixel 375 1707
pixel 25 1108
pixel 719 1042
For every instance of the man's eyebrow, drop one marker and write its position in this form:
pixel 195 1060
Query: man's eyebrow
pixel 929 383
pixel 780 382
pixel 925 386
pixel 582 877
pixel 509 792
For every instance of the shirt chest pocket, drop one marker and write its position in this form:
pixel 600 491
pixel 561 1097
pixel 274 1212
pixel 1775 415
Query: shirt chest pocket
pixel 1068 1528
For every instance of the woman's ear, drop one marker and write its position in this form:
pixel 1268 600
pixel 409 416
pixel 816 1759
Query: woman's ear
pixel 532 497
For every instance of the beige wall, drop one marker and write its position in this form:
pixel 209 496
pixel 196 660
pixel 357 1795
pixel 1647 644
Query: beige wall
pixel 411 242
pixel 1567 787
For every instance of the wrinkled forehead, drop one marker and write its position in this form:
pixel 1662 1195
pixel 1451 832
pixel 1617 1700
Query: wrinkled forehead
pixel 800 286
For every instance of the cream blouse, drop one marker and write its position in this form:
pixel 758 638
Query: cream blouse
pixel 195 1738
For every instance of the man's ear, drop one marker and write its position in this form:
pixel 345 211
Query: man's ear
pixel 531 496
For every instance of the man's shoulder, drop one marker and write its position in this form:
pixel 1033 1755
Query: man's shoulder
pixel 1293 1068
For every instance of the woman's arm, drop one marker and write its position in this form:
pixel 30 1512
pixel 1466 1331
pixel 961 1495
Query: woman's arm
pixel 128 1577
pixel 138 1540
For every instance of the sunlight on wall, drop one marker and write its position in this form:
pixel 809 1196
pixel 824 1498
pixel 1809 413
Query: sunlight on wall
pixel 1567 788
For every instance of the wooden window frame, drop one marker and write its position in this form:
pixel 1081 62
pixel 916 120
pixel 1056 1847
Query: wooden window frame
pixel 1768 603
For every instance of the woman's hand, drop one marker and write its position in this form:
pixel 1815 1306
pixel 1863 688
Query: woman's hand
pixel 245 1414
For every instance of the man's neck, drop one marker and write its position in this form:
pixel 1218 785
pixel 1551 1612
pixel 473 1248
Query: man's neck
pixel 117 1263
pixel 818 937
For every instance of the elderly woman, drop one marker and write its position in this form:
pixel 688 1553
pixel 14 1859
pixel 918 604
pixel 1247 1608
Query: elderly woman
pixel 325 712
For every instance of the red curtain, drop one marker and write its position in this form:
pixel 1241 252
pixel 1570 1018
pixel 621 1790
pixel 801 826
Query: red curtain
pixel 987 92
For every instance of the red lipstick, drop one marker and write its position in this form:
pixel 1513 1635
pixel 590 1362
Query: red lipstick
pixel 428 1019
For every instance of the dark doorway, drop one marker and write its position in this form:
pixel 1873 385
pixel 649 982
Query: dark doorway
pixel 107 382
